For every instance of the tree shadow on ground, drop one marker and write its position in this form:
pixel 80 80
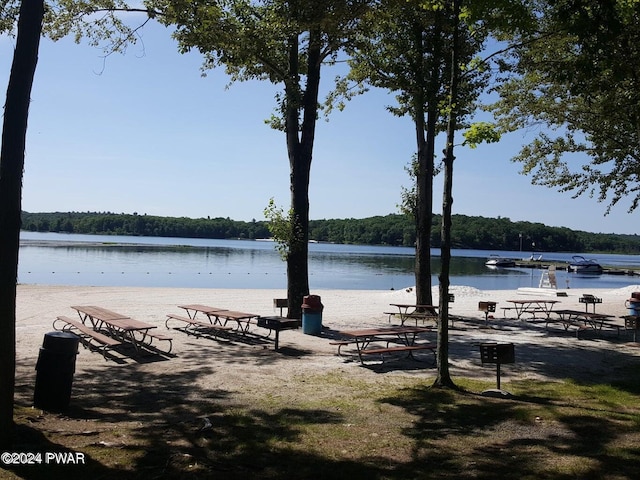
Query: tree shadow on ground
pixel 464 435
pixel 593 355
pixel 168 425
pixel 29 439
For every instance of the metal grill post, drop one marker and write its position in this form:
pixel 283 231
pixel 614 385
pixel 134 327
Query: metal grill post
pixel 487 307
pixel 497 353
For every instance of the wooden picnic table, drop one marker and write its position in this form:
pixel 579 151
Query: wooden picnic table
pixel 127 328
pixel 119 326
pixel 94 314
pixel 411 311
pixel 221 316
pixel 192 309
pixel 581 320
pixel 242 319
pixel 193 326
pixel 533 306
pixel 90 337
pixel 404 336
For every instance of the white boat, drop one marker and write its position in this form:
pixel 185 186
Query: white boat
pixel 579 264
pixel 498 261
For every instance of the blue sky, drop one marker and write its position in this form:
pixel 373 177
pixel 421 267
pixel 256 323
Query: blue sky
pixel 145 132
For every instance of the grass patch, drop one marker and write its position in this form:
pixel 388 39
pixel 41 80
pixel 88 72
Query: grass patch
pixel 331 426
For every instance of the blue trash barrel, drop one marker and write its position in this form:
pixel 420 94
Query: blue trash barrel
pixel 312 315
pixel 55 368
pixel 633 304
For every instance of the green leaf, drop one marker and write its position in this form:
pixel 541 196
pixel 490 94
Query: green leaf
pixel 481 132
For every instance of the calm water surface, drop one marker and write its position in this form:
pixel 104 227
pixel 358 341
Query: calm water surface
pixel 61 259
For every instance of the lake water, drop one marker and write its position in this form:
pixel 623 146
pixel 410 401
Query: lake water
pixel 69 259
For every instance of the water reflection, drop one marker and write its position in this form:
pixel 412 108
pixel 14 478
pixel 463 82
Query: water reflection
pixel 245 264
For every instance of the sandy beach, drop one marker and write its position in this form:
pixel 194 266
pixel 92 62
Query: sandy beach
pixel 249 368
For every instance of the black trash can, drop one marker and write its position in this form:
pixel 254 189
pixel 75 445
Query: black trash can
pixel 55 368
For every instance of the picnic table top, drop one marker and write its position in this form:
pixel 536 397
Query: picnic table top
pixel 99 313
pixel 413 305
pixel 201 308
pixel 234 315
pixel 130 324
pixel 522 301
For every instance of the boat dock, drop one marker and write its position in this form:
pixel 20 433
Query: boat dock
pixel 609 270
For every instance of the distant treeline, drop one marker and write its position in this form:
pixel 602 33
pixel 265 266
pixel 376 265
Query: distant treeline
pixel 398 230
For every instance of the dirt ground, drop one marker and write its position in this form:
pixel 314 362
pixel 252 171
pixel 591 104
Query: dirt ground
pixel 136 390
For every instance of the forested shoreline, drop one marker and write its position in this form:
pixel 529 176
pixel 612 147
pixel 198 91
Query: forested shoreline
pixel 479 233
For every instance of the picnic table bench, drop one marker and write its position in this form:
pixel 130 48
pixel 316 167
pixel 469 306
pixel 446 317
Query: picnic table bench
pixel 153 335
pixel 86 334
pixel 192 309
pixel 139 334
pixel 221 316
pixel 120 327
pixel 243 319
pixel 533 311
pixel 195 327
pixel 382 350
pixel 415 312
pixel 344 343
pixel 582 321
pixel 399 339
pixel 568 318
pixel 532 307
pixel 396 349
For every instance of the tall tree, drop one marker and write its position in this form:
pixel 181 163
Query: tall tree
pixel 14 130
pixel 60 18
pixel 417 49
pixel 578 75
pixel 286 43
pixel 470 24
pixel 443 377
pixel 402 50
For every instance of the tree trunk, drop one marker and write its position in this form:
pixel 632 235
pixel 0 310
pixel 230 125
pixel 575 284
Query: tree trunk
pixel 443 378
pixel 424 206
pixel 14 130
pixel 298 257
pixel 424 179
pixel 300 151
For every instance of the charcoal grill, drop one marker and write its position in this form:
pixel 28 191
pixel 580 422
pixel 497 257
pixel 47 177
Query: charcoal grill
pixel 277 324
pixel 589 300
pixel 497 353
